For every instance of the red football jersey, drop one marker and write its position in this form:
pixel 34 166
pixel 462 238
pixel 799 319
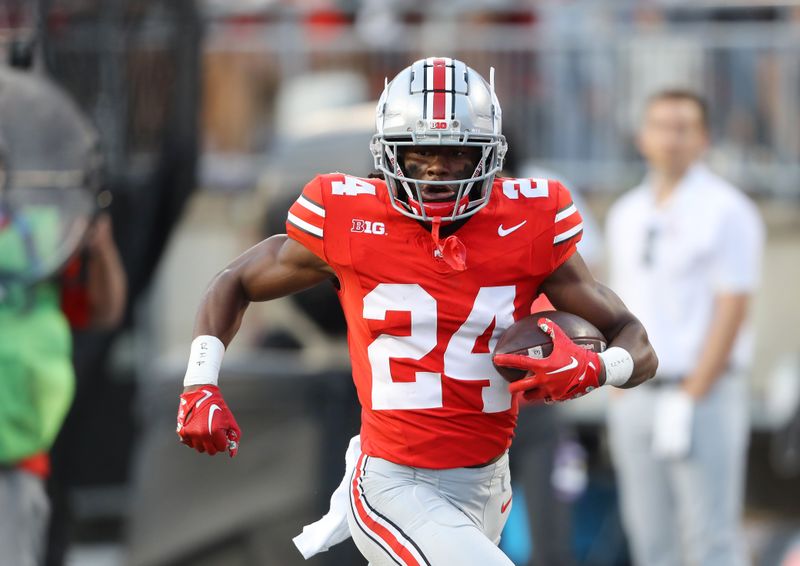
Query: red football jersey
pixel 421 333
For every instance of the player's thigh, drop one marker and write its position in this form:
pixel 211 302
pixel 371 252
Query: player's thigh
pixel 482 494
pixel 398 521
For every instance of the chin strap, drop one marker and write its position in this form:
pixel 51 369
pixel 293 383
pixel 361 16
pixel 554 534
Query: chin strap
pixel 451 250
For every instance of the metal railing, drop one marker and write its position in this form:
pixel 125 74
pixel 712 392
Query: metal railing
pixel 571 95
pixel 571 78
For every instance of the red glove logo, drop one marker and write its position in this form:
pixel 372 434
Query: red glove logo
pixel 568 372
pixel 206 424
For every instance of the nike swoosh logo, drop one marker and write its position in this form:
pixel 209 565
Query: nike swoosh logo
pixel 505 505
pixel 503 232
pixel 206 396
pixel 213 408
pixel 569 366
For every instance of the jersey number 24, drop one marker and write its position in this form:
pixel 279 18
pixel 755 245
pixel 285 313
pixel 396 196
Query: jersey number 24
pixel 492 304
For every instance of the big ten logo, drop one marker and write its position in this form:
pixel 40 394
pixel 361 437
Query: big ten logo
pixel 367 227
pixel 439 125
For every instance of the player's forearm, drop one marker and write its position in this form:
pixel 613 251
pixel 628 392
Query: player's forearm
pixel 730 311
pixel 632 337
pixel 623 330
pixel 273 268
pixel 573 289
pixel 218 319
pixel 222 308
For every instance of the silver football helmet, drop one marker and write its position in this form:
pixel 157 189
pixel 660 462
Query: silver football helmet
pixel 439 101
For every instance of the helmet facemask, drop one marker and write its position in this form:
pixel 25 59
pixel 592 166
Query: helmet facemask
pixel 470 193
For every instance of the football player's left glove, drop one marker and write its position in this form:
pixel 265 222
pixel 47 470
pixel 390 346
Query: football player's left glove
pixel 205 423
pixel 567 373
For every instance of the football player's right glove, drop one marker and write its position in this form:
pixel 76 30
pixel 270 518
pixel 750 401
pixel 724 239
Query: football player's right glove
pixel 568 372
pixel 205 423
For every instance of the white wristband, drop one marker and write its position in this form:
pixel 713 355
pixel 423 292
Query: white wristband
pixel 205 360
pixel 619 365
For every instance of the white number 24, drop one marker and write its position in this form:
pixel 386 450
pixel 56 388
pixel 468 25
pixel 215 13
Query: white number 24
pixel 492 304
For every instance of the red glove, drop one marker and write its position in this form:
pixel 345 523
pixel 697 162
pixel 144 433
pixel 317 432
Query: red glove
pixel 206 424
pixel 567 373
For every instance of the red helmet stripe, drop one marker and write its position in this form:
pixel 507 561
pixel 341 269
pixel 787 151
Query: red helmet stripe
pixel 439 85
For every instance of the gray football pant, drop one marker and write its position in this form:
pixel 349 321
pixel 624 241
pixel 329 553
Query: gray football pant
pixel 400 515
pixel 24 515
pixel 685 511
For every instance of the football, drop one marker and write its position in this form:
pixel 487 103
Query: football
pixel 526 338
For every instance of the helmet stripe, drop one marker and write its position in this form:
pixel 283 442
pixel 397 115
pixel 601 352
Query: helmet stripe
pixel 439 85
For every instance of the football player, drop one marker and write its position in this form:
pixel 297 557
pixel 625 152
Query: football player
pixel 432 263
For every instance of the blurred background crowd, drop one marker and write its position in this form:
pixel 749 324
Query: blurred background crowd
pixel 211 115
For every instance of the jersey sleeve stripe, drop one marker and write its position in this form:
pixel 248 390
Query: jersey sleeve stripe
pixel 565 207
pixel 566 212
pixel 564 236
pixel 306 227
pixel 309 204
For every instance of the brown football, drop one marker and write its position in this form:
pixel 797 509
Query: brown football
pixel 526 338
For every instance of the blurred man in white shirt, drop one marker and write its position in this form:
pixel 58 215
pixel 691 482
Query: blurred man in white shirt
pixel 684 254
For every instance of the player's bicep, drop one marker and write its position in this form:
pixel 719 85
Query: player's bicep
pixel 279 266
pixel 572 288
